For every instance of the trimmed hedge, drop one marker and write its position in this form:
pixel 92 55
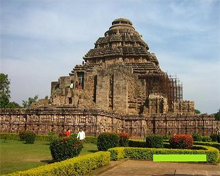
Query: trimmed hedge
pixel 9 136
pixel 212 144
pixel 154 141
pixel 42 137
pixel 206 139
pixel 214 137
pixel 117 153
pixel 147 153
pixel 136 143
pixel 197 137
pixel 74 166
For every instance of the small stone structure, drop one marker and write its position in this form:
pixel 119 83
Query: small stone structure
pixel 119 87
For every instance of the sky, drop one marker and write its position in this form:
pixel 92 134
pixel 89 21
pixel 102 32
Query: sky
pixel 41 40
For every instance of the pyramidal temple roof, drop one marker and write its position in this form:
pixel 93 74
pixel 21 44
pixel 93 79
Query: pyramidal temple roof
pixel 121 40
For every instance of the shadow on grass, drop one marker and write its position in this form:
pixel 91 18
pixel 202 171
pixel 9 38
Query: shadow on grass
pixel 46 143
pixel 47 161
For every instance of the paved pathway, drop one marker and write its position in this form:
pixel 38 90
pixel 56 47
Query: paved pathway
pixel 135 167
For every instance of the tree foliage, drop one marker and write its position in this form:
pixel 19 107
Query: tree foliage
pixel 13 105
pixel 26 104
pixel 5 93
pixel 217 115
pixel 4 90
pixel 197 111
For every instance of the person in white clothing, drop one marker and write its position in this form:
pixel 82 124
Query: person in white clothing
pixel 81 135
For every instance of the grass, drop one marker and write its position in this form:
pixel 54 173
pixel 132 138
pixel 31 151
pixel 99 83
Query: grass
pixel 17 156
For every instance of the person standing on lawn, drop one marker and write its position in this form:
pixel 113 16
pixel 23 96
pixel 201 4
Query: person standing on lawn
pixel 68 133
pixel 81 135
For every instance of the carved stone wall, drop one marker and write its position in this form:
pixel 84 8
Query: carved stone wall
pixel 184 107
pixel 45 120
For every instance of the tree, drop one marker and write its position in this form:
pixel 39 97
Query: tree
pixel 5 93
pixel 4 90
pixel 13 105
pixel 217 115
pixel 197 111
pixel 26 104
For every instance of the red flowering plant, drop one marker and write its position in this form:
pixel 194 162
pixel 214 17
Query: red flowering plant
pixel 62 149
pixel 63 135
pixel 181 141
pixel 123 139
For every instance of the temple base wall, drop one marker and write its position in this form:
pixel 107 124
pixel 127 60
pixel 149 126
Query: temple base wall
pixel 94 122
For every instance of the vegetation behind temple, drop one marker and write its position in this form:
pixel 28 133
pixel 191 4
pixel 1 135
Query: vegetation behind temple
pixel 5 95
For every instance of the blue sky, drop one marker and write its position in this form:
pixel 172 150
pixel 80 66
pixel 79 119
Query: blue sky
pixel 42 40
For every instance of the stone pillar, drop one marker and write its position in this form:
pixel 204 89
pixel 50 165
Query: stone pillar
pixel 120 94
pixel 102 98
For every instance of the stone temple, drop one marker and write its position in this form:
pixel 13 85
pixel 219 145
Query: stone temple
pixel 119 87
pixel 120 75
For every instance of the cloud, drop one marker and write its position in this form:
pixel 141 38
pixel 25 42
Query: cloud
pixel 43 40
pixel 200 79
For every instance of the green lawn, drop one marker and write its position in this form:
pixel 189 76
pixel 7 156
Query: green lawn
pixel 16 156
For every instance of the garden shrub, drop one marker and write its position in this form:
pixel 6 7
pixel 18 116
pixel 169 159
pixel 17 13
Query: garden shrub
pixel 181 141
pixel 147 153
pixel 154 141
pixel 81 165
pixel 65 148
pixel 74 135
pixel 22 135
pixel 123 139
pixel 62 135
pixel 29 137
pixel 206 139
pixel 166 137
pixel 214 137
pixel 136 143
pixel 107 140
pixel 197 137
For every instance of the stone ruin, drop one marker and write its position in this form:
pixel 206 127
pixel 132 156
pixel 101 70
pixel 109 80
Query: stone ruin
pixel 119 87
pixel 120 75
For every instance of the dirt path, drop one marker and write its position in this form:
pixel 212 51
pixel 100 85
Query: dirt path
pixel 135 167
